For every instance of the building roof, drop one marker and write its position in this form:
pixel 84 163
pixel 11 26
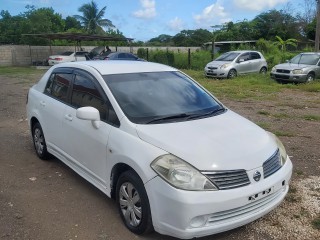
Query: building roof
pixel 230 42
pixel 79 37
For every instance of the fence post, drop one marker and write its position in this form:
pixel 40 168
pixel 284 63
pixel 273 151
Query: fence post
pixel 147 54
pixel 189 58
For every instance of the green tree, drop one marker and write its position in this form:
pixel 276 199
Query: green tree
pixel 284 43
pixel 92 18
pixel 276 23
pixel 72 23
pixel 191 38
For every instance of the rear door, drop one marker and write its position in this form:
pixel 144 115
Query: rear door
pixel 256 62
pixel 52 105
pixel 243 64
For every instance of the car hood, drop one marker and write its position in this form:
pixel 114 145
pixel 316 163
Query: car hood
pixel 217 63
pixel 291 66
pixel 224 142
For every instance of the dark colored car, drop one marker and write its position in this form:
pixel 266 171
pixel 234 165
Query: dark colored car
pixel 117 56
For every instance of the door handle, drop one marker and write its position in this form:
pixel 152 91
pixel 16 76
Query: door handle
pixel 43 103
pixel 68 117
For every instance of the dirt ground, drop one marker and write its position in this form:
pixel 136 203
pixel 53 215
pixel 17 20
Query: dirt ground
pixel 47 200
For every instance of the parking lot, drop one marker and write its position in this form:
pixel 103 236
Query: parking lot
pixel 47 200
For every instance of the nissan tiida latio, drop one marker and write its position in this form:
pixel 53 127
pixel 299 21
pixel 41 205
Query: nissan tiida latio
pixel 174 158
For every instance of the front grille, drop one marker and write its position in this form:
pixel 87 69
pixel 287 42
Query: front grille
pixel 211 74
pixel 285 77
pixel 247 210
pixel 212 68
pixel 228 179
pixel 272 165
pixel 283 71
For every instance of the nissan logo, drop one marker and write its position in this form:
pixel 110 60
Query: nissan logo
pixel 257 176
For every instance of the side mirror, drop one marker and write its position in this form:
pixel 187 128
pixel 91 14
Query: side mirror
pixel 287 61
pixel 241 60
pixel 89 113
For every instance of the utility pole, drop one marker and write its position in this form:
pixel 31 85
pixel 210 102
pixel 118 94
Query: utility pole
pixel 214 28
pixel 316 46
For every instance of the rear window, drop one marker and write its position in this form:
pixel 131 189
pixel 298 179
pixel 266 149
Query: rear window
pixel 66 53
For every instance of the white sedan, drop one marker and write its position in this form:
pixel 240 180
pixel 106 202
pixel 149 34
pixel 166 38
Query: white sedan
pixel 67 57
pixel 174 158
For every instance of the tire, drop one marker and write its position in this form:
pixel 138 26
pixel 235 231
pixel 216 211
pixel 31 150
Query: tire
pixel 232 73
pixel 263 70
pixel 310 77
pixel 133 203
pixel 39 142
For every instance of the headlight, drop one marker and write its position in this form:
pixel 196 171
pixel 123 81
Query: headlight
pixel 180 174
pixel 225 65
pixel 273 69
pixel 297 71
pixel 282 150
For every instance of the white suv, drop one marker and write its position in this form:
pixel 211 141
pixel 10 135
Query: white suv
pixel 174 158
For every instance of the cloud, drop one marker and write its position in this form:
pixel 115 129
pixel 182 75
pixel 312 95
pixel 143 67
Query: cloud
pixel 258 5
pixel 148 9
pixel 176 24
pixel 211 15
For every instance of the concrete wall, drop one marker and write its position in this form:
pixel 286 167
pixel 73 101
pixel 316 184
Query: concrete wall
pixel 25 55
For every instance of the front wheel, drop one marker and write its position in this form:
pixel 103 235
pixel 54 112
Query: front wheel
pixel 310 77
pixel 133 203
pixel 232 73
pixel 39 141
pixel 263 70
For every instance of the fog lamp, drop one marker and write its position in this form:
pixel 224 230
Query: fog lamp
pixel 198 221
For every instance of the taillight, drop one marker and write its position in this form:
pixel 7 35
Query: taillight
pixel 58 59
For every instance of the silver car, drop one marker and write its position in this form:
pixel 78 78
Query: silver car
pixel 230 64
pixel 302 68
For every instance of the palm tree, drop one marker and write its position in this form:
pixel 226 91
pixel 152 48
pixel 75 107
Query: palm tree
pixel 92 18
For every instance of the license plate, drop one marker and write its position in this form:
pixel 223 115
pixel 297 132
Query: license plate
pixel 260 195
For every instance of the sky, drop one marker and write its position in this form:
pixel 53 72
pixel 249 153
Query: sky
pixel 146 19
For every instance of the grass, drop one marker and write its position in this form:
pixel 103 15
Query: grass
pixel 284 134
pixel 316 223
pixel 312 117
pixel 14 71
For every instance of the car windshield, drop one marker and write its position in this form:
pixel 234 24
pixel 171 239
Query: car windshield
pixel 158 97
pixel 66 53
pixel 229 56
pixel 308 59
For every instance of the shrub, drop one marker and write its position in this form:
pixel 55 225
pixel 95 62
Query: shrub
pixel 142 53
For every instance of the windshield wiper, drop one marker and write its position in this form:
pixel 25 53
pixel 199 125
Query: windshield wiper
pixel 210 113
pixel 170 117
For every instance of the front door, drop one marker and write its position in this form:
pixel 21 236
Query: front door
pixel 85 144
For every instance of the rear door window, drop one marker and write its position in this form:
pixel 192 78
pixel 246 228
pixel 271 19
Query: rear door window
pixel 255 55
pixel 58 86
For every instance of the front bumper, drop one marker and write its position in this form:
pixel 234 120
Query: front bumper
pixel 288 77
pixel 176 212
pixel 217 73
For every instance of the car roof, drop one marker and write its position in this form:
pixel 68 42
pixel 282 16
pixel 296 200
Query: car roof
pixel 244 51
pixel 310 53
pixel 118 67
